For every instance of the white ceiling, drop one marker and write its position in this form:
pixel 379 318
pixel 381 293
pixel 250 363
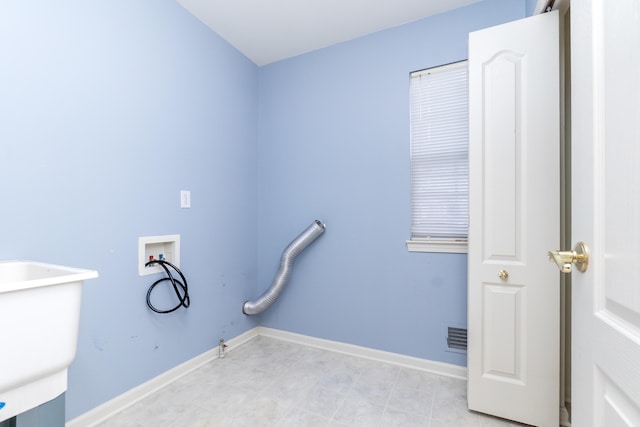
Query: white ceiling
pixel 270 30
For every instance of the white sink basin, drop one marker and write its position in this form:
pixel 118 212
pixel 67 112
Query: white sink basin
pixel 39 314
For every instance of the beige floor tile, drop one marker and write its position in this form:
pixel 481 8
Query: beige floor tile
pixel 269 382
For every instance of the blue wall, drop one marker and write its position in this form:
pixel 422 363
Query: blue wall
pixel 531 6
pixel 107 110
pixel 334 145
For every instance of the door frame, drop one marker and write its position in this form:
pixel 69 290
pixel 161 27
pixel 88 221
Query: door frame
pixel 565 205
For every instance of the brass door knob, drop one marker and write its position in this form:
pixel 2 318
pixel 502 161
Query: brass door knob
pixel 503 274
pixel 578 256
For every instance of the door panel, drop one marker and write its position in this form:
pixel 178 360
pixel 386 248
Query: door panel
pixel 514 180
pixel 606 212
pixel 501 84
pixel 502 343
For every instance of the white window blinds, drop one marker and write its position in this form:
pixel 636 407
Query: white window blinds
pixel 439 153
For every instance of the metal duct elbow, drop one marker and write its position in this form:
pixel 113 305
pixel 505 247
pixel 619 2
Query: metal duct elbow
pixel 286 262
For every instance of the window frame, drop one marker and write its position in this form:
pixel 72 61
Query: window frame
pixel 446 244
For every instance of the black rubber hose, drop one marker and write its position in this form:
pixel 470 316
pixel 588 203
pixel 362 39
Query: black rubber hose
pixel 183 297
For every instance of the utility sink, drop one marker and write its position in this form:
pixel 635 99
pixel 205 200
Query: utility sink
pixel 39 314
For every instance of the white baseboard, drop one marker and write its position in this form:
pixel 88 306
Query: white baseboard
pixel 134 395
pixel 128 398
pixel 439 368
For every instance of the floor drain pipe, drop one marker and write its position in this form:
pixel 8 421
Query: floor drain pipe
pixel 286 262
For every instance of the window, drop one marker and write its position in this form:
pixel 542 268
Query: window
pixel 439 159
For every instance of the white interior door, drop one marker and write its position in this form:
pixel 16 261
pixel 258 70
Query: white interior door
pixel 605 52
pixel 514 176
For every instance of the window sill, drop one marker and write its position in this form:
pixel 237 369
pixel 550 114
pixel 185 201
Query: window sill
pixel 444 246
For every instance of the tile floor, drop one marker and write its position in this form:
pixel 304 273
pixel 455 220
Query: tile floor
pixel 269 382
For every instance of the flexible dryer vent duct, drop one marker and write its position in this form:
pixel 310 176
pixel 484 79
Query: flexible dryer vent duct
pixel 286 262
